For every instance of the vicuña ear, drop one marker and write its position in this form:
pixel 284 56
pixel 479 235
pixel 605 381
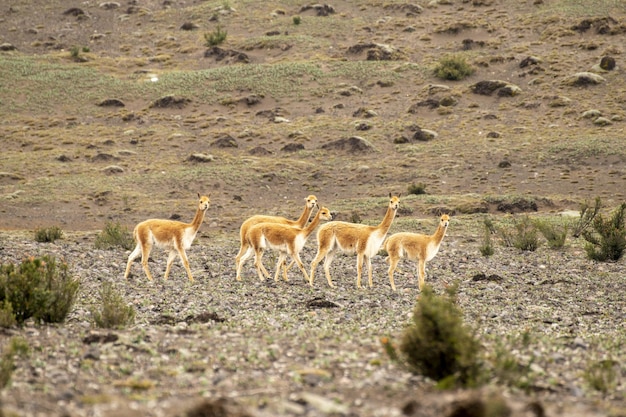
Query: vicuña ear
pixel 389 195
pixel 198 195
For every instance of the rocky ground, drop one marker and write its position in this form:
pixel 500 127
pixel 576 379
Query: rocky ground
pixel 285 349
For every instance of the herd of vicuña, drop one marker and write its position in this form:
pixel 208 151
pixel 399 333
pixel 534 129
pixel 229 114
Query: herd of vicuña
pixel 288 237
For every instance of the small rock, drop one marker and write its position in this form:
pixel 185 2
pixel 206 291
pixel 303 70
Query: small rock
pixel 590 114
pixel 200 157
pixel 602 121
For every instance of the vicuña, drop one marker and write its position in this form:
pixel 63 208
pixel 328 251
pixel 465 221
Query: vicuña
pixel 287 240
pixel 351 237
pixel 171 235
pixel 416 247
pixel 311 201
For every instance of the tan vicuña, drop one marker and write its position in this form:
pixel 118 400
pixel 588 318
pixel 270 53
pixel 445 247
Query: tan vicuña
pixel 351 237
pixel 287 240
pixel 174 236
pixel 416 247
pixel 311 202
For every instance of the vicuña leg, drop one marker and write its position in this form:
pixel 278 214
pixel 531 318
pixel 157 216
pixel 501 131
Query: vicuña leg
pixel 393 264
pixel 421 273
pixel 134 255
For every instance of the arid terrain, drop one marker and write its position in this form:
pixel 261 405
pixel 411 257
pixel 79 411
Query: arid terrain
pixel 115 112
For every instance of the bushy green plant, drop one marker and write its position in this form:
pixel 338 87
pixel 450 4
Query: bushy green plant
pixel 114 235
pixel 297 20
pixel 508 368
pixel 554 232
pixel 38 288
pixel 523 235
pixel 113 312
pixel 48 234
pixel 417 189
pixel 453 67
pixel 602 375
pixel 16 346
pixel 216 37
pixel 437 344
pixel 486 248
pixel 607 240
pixel 587 215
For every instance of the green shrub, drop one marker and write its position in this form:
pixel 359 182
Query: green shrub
pixel 216 37
pixel 602 375
pixel 522 236
pixel 417 189
pixel 16 346
pixel 508 368
pixel 607 240
pixel 113 313
pixel 453 67
pixel 554 233
pixel 37 288
pixel 486 249
pixel 49 234
pixel 114 235
pixel 587 215
pixel 437 344
pixel 7 318
pixel 297 20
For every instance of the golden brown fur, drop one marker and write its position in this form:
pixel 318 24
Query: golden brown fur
pixel 287 240
pixel 351 237
pixel 172 235
pixel 311 201
pixel 416 247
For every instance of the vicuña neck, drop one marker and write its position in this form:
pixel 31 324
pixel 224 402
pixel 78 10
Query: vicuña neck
pixel 440 233
pixel 198 218
pixel 304 217
pixel 311 227
pixel 387 220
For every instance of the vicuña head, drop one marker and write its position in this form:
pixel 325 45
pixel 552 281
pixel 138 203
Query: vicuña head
pixel 310 203
pixel 171 235
pixel 415 247
pixel 350 238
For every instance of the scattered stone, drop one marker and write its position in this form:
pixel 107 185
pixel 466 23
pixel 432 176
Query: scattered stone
pixel 189 26
pixel 486 88
pixel 320 9
pixel 377 52
pixel 354 144
pixel 218 408
pixel 424 135
pixel 279 119
pixel 259 151
pixel 113 169
pixel 484 277
pixel 437 88
pixel 225 141
pixel 292 147
pixel 362 126
pixel 325 406
pixel 583 79
pixel 530 60
pixel 560 101
pixel 100 338
pixel 593 113
pixel 104 157
pixel 319 302
pixel 448 101
pixel 63 158
pixel 74 11
pixel 109 5
pixel 111 102
pixel 504 164
pixel 231 56
pixel 200 157
pixel 607 63
pixel 519 205
pixel 170 102
pixel 204 318
pixel 365 113
pixel 509 90
pixel 7 47
pixel 430 103
pixel 252 99
pixel 602 121
pixel 409 8
pixel 493 135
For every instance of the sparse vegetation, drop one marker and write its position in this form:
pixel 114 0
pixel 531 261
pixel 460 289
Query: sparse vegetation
pixel 587 215
pixel 113 236
pixel 453 67
pixel 48 234
pixel 38 288
pixel 607 240
pixel 16 346
pixel 113 311
pixel 602 375
pixel 522 235
pixel 554 232
pixel 486 248
pixel 217 37
pixel 297 20
pixel 417 189
pixel 437 343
